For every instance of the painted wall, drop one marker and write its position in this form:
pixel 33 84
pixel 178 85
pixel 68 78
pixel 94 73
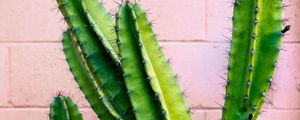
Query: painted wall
pixel 33 67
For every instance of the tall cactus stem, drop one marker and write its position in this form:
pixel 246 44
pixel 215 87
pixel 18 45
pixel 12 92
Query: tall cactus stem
pixel 101 22
pixel 163 81
pixel 85 78
pixel 141 95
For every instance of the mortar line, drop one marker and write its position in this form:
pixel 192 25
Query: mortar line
pixel 9 77
pixel 206 19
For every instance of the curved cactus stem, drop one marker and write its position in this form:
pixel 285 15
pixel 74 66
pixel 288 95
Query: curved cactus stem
pixel 162 79
pixel 85 79
pixel 267 51
pixel 63 108
pixel 103 24
pixel 107 72
pixel 141 95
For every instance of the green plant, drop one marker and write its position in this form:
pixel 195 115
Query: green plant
pixel 63 108
pixel 118 64
pixel 255 46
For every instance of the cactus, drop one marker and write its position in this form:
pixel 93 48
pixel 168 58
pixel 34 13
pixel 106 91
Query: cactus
pixel 63 108
pixel 119 65
pixel 103 69
pixel 255 46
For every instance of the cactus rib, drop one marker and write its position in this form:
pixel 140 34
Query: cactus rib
pixel 141 95
pixel 63 108
pixel 268 46
pixel 162 79
pixel 102 23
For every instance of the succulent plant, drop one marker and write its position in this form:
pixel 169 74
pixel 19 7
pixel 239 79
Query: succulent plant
pixel 255 46
pixel 63 108
pixel 118 64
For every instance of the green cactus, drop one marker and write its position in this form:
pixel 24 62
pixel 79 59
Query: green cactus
pixel 255 47
pixel 163 81
pixel 85 78
pixel 105 71
pixel 63 108
pixel 119 65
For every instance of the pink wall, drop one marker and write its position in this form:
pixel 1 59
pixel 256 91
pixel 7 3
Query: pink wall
pixel 33 67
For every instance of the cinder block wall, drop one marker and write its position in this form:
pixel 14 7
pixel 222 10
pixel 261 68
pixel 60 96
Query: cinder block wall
pixel 33 67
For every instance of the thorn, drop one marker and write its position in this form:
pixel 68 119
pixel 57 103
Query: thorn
pixel 276 65
pixel 169 60
pixel 148 79
pixel 256 22
pixel 251 68
pixel 254 108
pixel 286 5
pixel 256 9
pixel 147 12
pixel 230 18
pixel 253 36
pixel 246 98
pixel 156 96
pixel 119 4
pixel 184 93
pixel 285 20
pixel 177 77
pixel 226 97
pixel 137 1
pixel 248 84
pixel 228 38
pixel 263 94
pixel 252 52
pixel 223 107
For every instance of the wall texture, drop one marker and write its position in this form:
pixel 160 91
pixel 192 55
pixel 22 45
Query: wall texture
pixel 33 67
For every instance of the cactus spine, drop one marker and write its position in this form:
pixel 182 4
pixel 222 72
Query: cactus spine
pixel 121 70
pixel 63 108
pixel 257 26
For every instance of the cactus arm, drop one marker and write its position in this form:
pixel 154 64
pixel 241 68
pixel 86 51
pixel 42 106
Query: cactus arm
pixel 267 50
pixel 240 60
pixel 140 93
pixel 84 78
pixel 63 108
pixel 151 75
pixel 107 73
pixel 73 110
pixel 57 112
pixel 163 80
pixel 102 23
